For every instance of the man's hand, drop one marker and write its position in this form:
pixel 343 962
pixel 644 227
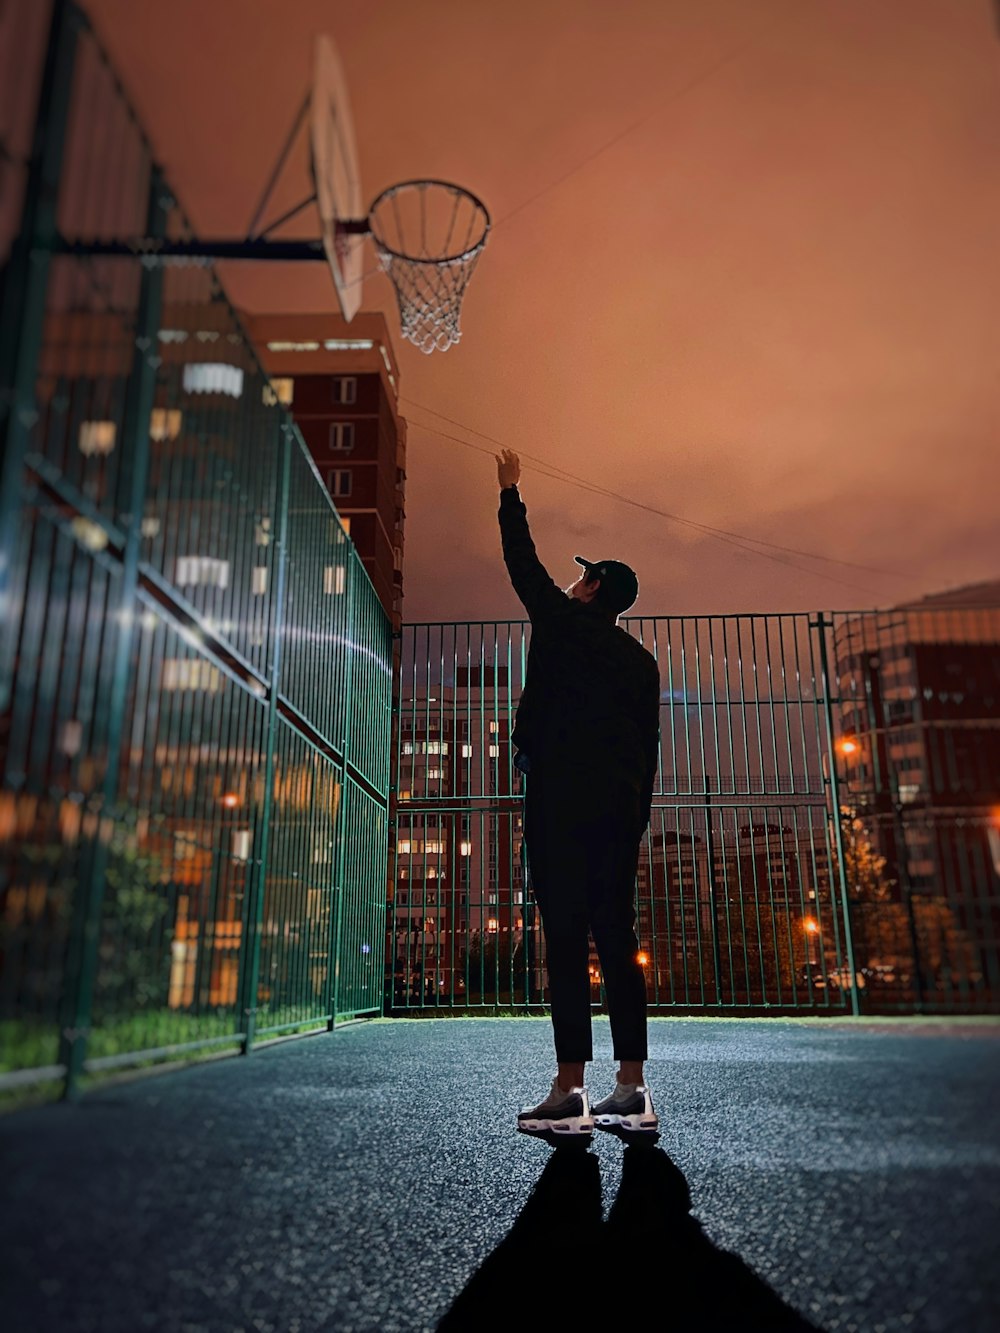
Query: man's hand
pixel 508 468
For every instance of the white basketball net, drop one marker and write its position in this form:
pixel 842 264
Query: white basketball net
pixel 429 236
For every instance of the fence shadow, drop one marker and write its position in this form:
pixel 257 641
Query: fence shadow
pixel 650 1258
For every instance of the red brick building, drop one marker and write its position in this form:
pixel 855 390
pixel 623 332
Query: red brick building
pixel 341 383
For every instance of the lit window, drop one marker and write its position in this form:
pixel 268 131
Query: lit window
pixel 494 726
pixel 388 366
pixel 242 840
pixel 433 773
pixel 339 481
pixel 172 335
pixel 334 579
pixel 278 391
pixel 341 436
pixel 345 389
pixel 403 847
pixel 185 844
pixel 195 570
pixel 465 849
pixel 466 751
pixel 346 521
pixel 213 377
pixel 348 344
pixel 190 673
pixel 492 925
pixel 165 423
pixel 72 737
pixel 258 581
pixel 90 535
pixel 293 347
pixel 150 526
pixel 494 751
pixel 97 437
pixel 262 532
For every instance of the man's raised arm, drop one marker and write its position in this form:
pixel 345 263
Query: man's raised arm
pixel 538 593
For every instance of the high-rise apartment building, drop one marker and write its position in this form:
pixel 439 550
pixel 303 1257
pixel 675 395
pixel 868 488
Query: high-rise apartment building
pixel 919 693
pixel 340 381
pixel 461 928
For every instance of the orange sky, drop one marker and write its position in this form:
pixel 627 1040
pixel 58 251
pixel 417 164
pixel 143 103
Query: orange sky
pixel 769 306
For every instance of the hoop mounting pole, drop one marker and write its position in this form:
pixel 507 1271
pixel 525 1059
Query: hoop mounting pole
pixel 152 249
pixel 354 226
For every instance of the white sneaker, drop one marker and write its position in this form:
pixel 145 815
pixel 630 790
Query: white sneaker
pixel 632 1113
pixel 560 1113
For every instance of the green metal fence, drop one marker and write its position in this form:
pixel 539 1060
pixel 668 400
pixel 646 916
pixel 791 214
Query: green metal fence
pixel 825 833
pixel 195 672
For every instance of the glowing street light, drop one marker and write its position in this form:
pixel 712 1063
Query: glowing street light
pixel 848 746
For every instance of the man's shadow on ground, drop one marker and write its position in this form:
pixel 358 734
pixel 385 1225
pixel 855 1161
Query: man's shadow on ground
pixel 650 1260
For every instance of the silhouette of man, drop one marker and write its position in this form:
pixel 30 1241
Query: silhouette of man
pixel 586 736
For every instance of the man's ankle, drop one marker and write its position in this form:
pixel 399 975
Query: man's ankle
pixel 569 1077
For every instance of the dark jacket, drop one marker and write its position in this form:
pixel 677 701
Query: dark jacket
pixel 591 699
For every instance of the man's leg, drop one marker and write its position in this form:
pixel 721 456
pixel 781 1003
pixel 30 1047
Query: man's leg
pixel 611 894
pixel 558 874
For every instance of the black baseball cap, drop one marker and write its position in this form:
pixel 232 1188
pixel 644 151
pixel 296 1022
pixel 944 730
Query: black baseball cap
pixel 619 583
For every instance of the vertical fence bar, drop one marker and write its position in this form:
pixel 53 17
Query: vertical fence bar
pixel 346 802
pixel 133 476
pixel 821 624
pixel 24 291
pixel 254 912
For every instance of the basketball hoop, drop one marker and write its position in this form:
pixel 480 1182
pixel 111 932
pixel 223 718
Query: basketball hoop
pixel 429 235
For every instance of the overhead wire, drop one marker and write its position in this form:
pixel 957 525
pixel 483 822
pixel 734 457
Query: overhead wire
pixel 731 539
pixel 677 93
pixel 615 139
pixel 744 540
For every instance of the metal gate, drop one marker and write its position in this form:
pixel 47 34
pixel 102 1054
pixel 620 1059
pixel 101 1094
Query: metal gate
pixel 818 842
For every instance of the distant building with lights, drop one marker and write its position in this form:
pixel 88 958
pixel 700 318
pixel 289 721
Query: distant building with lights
pixel 919 689
pixel 340 381
pixel 459 921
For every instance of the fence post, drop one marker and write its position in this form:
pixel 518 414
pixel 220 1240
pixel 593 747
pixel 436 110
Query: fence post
pixel 821 624
pixel 256 883
pixel 24 289
pixel 887 781
pixel 85 928
pixel 337 915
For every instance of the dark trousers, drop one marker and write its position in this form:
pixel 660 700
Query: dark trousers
pixel 582 849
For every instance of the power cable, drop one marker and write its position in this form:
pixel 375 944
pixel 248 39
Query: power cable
pixel 686 88
pixel 715 534
pixel 586 483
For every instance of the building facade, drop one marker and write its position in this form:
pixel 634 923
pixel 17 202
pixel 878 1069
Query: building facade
pixel 920 753
pixel 340 381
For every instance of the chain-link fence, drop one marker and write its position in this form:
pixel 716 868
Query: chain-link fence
pixel 195 672
pixel 825 833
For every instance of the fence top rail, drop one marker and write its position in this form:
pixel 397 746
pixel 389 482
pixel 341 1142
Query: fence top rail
pixel 827 617
pixel 625 620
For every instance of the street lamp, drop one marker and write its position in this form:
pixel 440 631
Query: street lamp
pixel 993 835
